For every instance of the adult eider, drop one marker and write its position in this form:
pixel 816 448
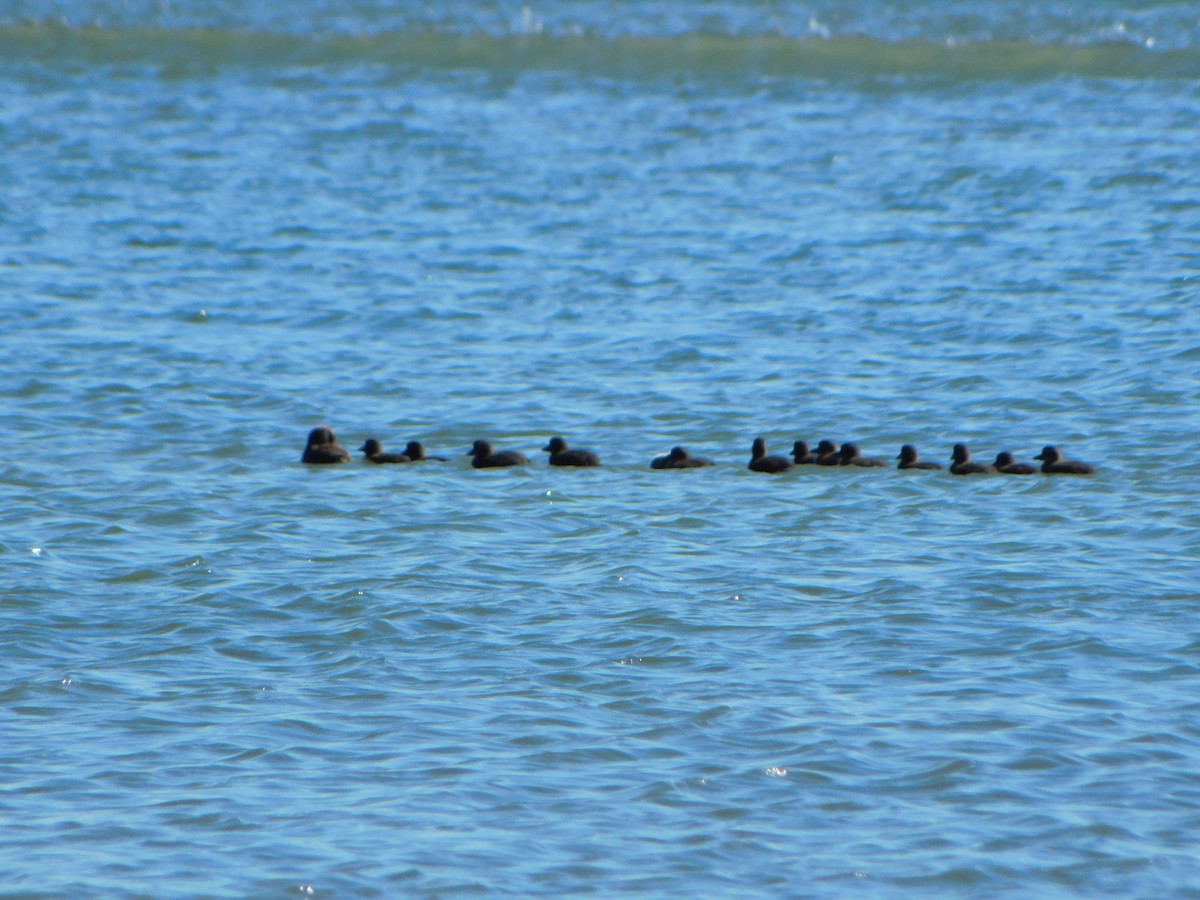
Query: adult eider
pixel 1054 464
pixel 801 455
pixel 486 458
pixel 679 458
pixel 910 459
pixel 323 448
pixel 852 456
pixel 562 455
pixel 374 453
pixel 760 462
pixel 828 454
pixel 415 451
pixel 1006 464
pixel 963 464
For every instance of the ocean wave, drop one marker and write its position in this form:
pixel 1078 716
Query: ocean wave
pixel 196 52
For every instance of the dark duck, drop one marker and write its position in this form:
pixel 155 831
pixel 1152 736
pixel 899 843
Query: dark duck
pixel 962 464
pixel 802 455
pixel 852 456
pixel 1006 464
pixel 911 459
pixel 487 458
pixel 828 454
pixel 1053 463
pixel 373 451
pixel 679 458
pixel 415 451
pixel 761 462
pixel 323 448
pixel 562 455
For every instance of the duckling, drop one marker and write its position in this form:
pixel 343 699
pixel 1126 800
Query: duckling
pixel 760 462
pixel 562 455
pixel 374 453
pixel 487 458
pixel 828 454
pixel 679 458
pixel 801 455
pixel 852 456
pixel 964 465
pixel 1006 464
pixel 910 459
pixel 1054 464
pixel 323 448
pixel 415 451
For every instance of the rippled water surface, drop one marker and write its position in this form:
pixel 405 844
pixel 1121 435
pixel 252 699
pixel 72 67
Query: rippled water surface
pixel 228 674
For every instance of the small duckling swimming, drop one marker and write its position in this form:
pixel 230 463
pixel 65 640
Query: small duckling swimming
pixel 323 448
pixel 802 455
pixel 1006 464
pixel 911 459
pixel 487 458
pixel 374 453
pixel 562 455
pixel 828 454
pixel 852 456
pixel 1054 464
pixel 964 465
pixel 760 462
pixel 679 458
pixel 415 451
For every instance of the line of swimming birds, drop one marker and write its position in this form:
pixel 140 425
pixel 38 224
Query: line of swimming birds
pixel 323 449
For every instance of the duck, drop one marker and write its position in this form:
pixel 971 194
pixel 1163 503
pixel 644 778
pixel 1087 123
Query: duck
pixel 323 448
pixel 964 465
pixel 852 456
pixel 760 462
pixel 828 454
pixel 910 459
pixel 487 458
pixel 802 455
pixel 1006 464
pixel 374 453
pixel 415 451
pixel 679 458
pixel 562 455
pixel 1054 464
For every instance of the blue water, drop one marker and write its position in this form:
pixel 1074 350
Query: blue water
pixel 223 673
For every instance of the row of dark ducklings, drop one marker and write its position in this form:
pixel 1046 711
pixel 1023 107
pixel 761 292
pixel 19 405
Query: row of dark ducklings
pixel 323 448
